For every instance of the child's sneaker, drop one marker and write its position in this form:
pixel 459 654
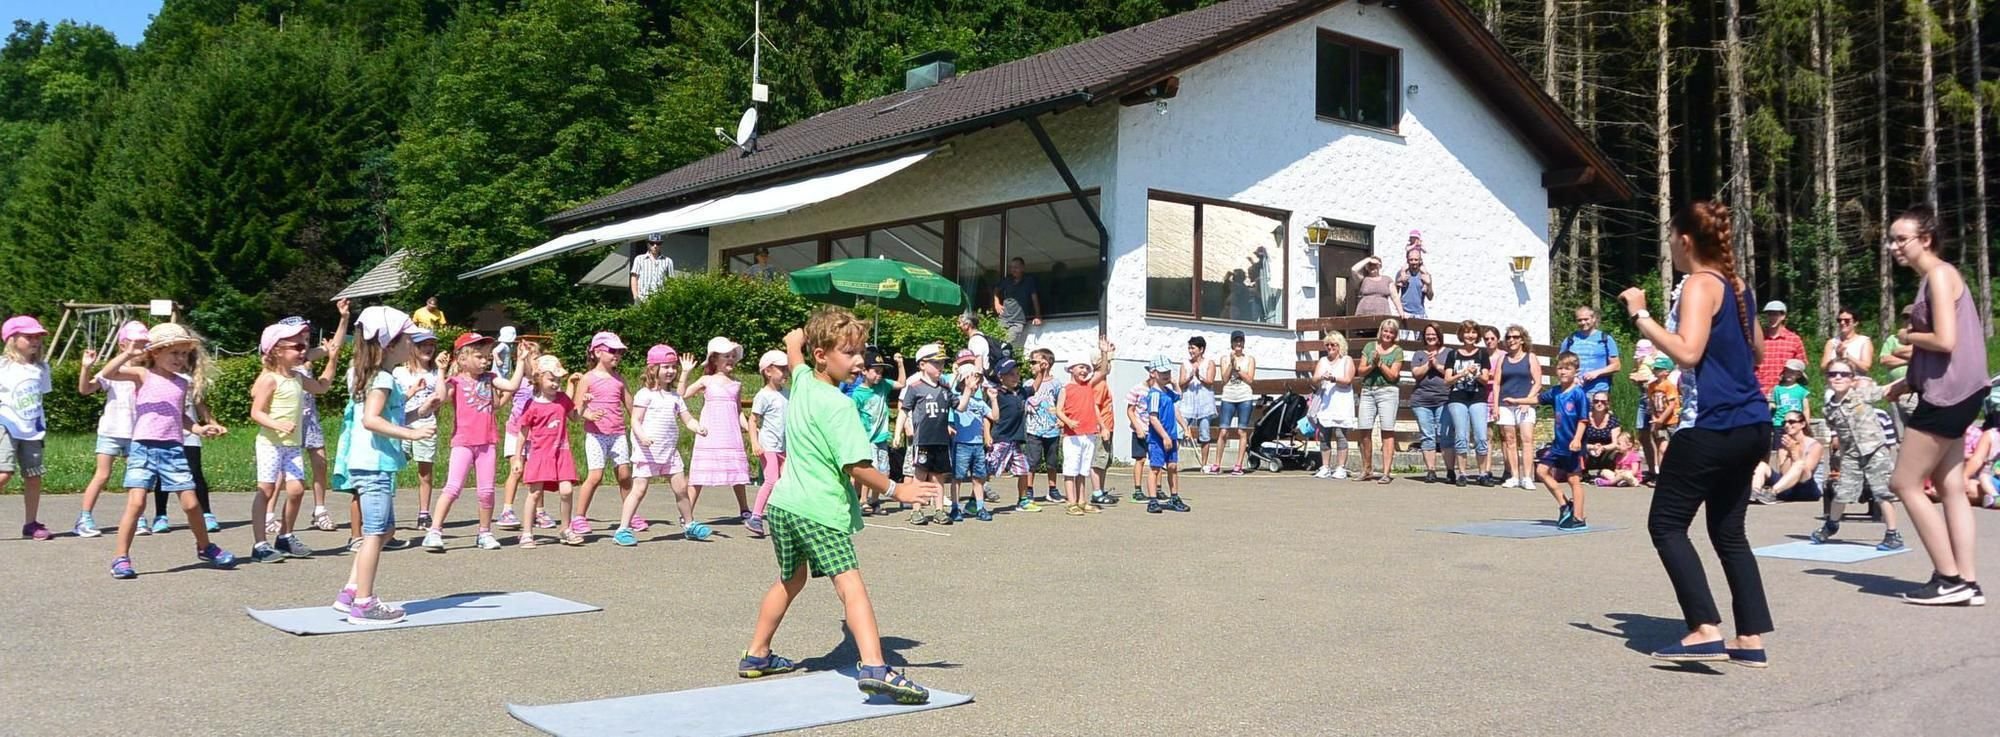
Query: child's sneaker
pixel 264 553
pixel 955 515
pixel 423 520
pixel 756 525
pixel 292 546
pixel 579 525
pixel 160 526
pixel 1104 498
pixel 434 540
pixel 1153 506
pixel 507 520
pixel 569 536
pixel 1891 541
pixel 214 555
pixel 639 524
pixel 1138 495
pixel 85 526
pixel 697 532
pixel 985 513
pixel 881 680
pixel 1027 504
pixel 354 544
pixel 343 602
pixel 1564 514
pixel 1056 495
pixel 992 495
pixel 140 527
pixel 920 516
pixel 270 523
pixel 1177 505
pixel 1339 473
pixel 544 521
pixel 1825 532
pixel 374 612
pixel 322 521
pixel 486 541
pixel 527 540
pixel 211 524
pixel 625 537
pixel 770 665
pixel 121 567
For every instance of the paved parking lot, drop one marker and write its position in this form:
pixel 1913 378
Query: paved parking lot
pixel 1280 606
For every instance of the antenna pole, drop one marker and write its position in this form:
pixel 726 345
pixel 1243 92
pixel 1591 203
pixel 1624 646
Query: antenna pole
pixel 756 35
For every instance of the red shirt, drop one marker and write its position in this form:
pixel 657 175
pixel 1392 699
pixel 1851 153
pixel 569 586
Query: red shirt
pixel 1779 347
pixel 1080 403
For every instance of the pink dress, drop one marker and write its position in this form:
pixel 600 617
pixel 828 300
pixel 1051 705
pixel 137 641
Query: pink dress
pixel 719 459
pixel 549 458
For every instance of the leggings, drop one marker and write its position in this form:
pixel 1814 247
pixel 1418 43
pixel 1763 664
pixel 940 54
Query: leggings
pixel 480 458
pixel 1712 468
pixel 1332 438
pixel 200 483
pixel 774 466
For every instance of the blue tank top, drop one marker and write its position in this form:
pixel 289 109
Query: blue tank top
pixel 1516 379
pixel 1726 377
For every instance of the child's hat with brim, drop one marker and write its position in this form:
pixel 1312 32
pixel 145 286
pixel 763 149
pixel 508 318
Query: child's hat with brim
pixel 169 335
pixel 550 365
pixel 719 345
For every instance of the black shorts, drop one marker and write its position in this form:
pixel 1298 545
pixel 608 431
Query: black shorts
pixel 1139 447
pixel 933 459
pixel 1949 421
pixel 1044 454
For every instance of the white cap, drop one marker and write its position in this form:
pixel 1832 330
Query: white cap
pixel 725 346
pixel 773 358
pixel 1775 306
pixel 930 352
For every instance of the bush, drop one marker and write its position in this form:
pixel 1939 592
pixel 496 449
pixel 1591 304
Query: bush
pixel 229 396
pixel 66 410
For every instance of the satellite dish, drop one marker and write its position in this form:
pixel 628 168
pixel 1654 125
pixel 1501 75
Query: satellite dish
pixel 746 129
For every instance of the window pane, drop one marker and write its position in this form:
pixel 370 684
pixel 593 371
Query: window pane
pixel 979 266
pixel 1169 256
pixel 921 244
pixel 1062 252
pixel 787 258
pixel 1376 96
pixel 1335 92
pixel 1241 278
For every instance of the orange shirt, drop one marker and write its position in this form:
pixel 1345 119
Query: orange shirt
pixel 1080 406
pixel 1102 391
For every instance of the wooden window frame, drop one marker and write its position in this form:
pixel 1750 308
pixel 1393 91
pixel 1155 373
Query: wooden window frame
pixel 1354 79
pixel 1284 266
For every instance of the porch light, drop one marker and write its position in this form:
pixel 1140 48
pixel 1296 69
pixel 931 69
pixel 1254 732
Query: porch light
pixel 1521 264
pixel 1318 232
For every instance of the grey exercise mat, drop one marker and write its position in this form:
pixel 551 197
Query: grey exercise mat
pixel 459 609
pixel 1517 529
pixel 756 707
pixel 1832 552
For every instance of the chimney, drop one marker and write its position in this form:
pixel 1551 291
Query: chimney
pixel 930 69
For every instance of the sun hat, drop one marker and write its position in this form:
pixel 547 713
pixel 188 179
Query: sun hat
pixel 1416 233
pixel 724 346
pixel 550 365
pixel 133 331
pixel 773 358
pixel 21 325
pixel 606 339
pixel 1795 365
pixel 662 353
pixel 930 352
pixel 1643 348
pixel 1080 361
pixel 278 333
pixel 383 324
pixel 1774 306
pixel 468 338
pixel 169 335
pixel 1161 363
pixel 507 334
pixel 1662 362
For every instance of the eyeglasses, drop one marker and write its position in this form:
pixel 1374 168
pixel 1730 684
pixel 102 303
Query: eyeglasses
pixel 1840 374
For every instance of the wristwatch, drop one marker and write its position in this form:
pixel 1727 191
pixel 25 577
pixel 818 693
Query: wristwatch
pixel 1642 314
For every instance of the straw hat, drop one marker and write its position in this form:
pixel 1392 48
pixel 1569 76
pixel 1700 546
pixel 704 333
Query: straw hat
pixel 169 335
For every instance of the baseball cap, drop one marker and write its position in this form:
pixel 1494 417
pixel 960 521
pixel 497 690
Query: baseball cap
pixel 21 325
pixel 384 324
pixel 421 335
pixel 966 356
pixel 874 356
pixel 507 334
pixel 1007 366
pixel 550 365
pixel 1663 363
pixel 773 358
pixel 1161 363
pixel 930 352
pixel 273 335
pixel 662 353
pixel 606 339
pixel 652 237
pixel 468 338
pixel 1775 306
pixel 1235 336
pixel 1795 365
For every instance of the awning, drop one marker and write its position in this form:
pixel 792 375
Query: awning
pixel 736 208
pixel 613 272
pixel 386 278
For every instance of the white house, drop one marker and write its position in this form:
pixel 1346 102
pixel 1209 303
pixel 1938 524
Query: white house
pixel 1201 140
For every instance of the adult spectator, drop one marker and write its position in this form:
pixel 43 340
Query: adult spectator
pixel 1601 435
pixel 1517 381
pixel 1378 292
pixel 1596 352
pixel 1789 475
pixel 1413 283
pixel 1780 345
pixel 1430 366
pixel 1381 369
pixel 1851 346
pixel 1468 371
pixel 977 342
pixel 1235 372
pixel 1895 356
pixel 429 317
pixel 1334 417
pixel 1018 302
pixel 650 270
pixel 1198 406
pixel 762 268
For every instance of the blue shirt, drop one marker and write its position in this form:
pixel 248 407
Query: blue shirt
pixel 969 426
pixel 1413 295
pixel 1594 351
pixel 1726 377
pixel 1572 406
pixel 1161 403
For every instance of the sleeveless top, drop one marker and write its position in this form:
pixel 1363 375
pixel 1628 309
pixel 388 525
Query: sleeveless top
pixel 1945 379
pixel 1726 376
pixel 285 405
pixel 1197 399
pixel 1234 388
pixel 1517 379
pixel 157 408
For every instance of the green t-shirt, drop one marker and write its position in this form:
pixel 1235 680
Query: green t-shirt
pixel 1788 398
pixel 1890 345
pixel 822 437
pixel 1371 355
pixel 873 403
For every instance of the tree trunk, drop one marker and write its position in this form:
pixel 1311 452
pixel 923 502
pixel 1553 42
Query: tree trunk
pixel 1979 232
pixel 1885 286
pixel 1549 17
pixel 1493 17
pixel 1922 17
pixel 1664 143
pixel 1826 190
pixel 1739 144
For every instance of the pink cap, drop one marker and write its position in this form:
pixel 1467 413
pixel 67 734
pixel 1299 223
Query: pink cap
pixel 278 333
pixel 133 332
pixel 662 353
pixel 21 325
pixel 1416 234
pixel 606 339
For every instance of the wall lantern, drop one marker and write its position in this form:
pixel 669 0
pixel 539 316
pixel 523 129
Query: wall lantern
pixel 1318 232
pixel 1521 264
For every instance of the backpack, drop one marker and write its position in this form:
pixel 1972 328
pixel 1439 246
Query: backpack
pixel 998 352
pixel 1603 341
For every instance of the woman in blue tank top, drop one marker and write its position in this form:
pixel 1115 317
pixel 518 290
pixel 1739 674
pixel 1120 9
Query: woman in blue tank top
pixel 1711 461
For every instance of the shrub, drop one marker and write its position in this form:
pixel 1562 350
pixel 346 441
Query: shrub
pixel 66 410
pixel 229 396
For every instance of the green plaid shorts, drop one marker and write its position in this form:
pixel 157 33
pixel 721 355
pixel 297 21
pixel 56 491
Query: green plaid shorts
pixel 825 551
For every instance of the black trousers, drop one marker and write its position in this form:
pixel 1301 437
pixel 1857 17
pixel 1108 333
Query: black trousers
pixel 200 485
pixel 1711 467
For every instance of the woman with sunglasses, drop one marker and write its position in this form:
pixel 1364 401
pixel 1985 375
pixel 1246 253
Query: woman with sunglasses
pixel 1850 346
pixel 1513 406
pixel 1601 432
pixel 1789 477
pixel 1717 341
pixel 1865 452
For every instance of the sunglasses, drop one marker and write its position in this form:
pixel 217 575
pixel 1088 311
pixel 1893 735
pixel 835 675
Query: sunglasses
pixel 1794 422
pixel 1846 321
pixel 1516 337
pixel 1600 401
pixel 1840 374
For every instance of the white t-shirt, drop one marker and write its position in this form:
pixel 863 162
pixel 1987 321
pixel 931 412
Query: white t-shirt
pixel 769 406
pixel 21 388
pixel 116 422
pixel 419 387
pixel 983 348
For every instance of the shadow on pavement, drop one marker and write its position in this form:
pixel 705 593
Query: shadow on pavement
pixel 1643 633
pixel 846 656
pixel 1867 583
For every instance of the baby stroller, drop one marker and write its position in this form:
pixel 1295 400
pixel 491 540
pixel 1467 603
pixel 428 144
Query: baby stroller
pixel 1276 443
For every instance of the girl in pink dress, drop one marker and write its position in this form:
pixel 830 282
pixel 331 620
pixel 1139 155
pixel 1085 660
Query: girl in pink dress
pixel 551 465
pixel 719 459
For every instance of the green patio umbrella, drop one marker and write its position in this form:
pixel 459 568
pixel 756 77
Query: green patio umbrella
pixel 887 283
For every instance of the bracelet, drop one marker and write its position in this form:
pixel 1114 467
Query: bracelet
pixel 891 492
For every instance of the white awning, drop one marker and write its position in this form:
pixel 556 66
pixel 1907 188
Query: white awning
pixel 736 208
pixel 387 277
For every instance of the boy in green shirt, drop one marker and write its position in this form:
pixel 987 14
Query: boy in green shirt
pixel 813 512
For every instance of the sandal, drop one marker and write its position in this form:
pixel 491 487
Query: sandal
pixel 770 665
pixel 885 681
pixel 1384 478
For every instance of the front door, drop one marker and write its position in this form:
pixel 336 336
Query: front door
pixel 1336 278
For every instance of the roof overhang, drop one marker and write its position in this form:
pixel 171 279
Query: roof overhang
pixel 387 277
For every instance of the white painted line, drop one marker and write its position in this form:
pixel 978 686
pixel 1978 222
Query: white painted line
pixel 907 529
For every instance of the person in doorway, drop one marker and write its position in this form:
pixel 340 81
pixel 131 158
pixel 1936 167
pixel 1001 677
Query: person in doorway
pixel 429 317
pixel 1413 283
pixel 1720 342
pixel 1018 302
pixel 1850 345
pixel 1234 373
pixel 649 270
pixel 761 267
pixel 1377 291
pixel 1596 351
pixel 1781 346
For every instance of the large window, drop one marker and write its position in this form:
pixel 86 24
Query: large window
pixel 787 257
pixel 1058 246
pixel 1214 260
pixel 914 243
pixel 1356 81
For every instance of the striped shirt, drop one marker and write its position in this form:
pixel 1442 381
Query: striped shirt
pixel 651 270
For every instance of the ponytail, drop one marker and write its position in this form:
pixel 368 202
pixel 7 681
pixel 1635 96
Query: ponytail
pixel 1711 238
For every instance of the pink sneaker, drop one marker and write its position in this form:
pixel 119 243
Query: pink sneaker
pixel 579 525
pixel 639 524
pixel 543 521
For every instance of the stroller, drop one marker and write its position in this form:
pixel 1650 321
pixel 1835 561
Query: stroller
pixel 1276 442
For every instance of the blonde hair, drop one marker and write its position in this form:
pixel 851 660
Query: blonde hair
pixel 832 327
pixel 1390 325
pixel 652 379
pixel 1338 340
pixel 367 362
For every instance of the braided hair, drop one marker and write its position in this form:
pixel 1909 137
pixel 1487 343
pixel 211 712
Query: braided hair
pixel 1707 226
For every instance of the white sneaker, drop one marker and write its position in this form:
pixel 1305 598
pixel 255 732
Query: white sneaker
pixel 1509 483
pixel 1324 473
pixel 487 542
pixel 1340 472
pixel 434 540
pixel 1528 484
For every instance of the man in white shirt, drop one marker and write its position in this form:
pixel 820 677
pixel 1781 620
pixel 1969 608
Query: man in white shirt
pixel 650 270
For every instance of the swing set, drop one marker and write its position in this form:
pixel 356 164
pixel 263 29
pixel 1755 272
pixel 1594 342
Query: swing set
pixel 96 325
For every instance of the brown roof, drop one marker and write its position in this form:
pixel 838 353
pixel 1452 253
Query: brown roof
pixel 1103 69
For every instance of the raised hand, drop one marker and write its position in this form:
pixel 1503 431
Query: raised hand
pixel 89 357
pixel 342 306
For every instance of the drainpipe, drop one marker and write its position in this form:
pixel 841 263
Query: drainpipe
pixel 1089 210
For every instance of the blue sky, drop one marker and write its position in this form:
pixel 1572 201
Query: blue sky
pixel 126 19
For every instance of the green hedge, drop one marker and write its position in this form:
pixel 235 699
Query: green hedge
pixel 228 397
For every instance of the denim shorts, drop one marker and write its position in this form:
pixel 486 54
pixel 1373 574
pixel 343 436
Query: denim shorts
pixel 377 491
pixel 114 447
pixel 1201 429
pixel 1236 415
pixel 162 462
pixel 968 460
